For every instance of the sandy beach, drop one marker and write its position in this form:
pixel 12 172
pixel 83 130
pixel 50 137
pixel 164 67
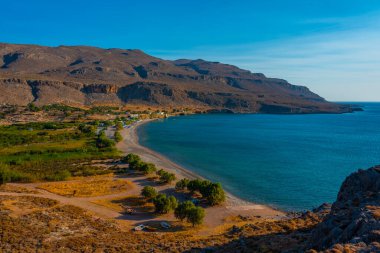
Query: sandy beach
pixel 233 205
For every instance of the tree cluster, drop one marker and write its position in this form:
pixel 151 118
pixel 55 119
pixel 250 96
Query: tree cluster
pixel 103 142
pixel 86 129
pixel 164 204
pixel 117 136
pixel 166 177
pixel 119 125
pixel 135 163
pixel 212 192
pixel 149 192
pixel 181 185
pixel 187 210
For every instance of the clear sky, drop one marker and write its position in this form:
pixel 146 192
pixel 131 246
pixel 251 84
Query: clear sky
pixel 331 46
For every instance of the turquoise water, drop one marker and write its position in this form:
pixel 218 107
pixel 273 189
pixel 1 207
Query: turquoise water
pixel 293 162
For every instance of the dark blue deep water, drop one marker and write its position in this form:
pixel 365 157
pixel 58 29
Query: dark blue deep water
pixel 293 162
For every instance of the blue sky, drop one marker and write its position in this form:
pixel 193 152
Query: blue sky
pixel 331 46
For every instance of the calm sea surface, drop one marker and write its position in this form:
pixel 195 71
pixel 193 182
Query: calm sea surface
pixel 293 162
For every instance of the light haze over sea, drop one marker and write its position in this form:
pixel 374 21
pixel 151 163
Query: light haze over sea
pixel 292 162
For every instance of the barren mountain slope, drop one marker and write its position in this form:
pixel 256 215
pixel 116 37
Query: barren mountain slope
pixel 88 75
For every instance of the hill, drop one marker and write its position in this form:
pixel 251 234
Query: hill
pixel 81 75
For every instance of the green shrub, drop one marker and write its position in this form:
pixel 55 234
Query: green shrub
pixel 194 185
pixel 118 137
pixel 67 149
pixel 196 215
pixel 33 108
pixel 182 184
pixel 148 192
pixel 164 204
pixel 167 177
pixel 103 142
pixel 160 172
pixel 130 158
pixel 87 129
pixel 61 175
pixel 8 175
pixel 148 168
pixel 119 125
pixel 173 202
pixel 212 192
pixel 182 210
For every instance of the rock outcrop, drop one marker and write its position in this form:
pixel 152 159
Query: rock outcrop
pixel 89 75
pixel 354 220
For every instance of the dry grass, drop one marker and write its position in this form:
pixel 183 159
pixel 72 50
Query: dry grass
pixel 120 204
pixel 16 189
pixel 109 203
pixel 51 227
pixel 88 187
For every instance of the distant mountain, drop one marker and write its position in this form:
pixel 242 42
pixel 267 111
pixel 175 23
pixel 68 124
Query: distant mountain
pixel 81 75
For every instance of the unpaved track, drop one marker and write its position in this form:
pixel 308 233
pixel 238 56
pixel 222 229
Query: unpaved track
pixel 87 204
pixel 84 203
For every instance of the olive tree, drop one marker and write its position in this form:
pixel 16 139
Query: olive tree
pixel 164 204
pixel 182 211
pixel 196 215
pixel 148 192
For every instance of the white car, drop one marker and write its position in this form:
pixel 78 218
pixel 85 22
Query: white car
pixel 139 227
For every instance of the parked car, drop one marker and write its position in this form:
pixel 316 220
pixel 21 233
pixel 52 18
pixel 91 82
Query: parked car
pixel 139 227
pixel 165 225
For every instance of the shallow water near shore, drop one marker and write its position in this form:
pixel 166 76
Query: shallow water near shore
pixel 292 162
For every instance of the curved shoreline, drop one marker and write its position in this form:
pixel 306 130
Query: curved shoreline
pixel 130 144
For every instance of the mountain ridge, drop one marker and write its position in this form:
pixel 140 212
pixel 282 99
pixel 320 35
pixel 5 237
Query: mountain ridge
pixel 85 75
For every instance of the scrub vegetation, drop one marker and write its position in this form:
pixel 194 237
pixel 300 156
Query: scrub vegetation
pixel 51 151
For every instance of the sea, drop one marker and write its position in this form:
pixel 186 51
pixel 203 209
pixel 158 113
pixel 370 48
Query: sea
pixel 290 162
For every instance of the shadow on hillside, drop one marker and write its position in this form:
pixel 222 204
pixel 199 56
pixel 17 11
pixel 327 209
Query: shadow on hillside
pixel 295 241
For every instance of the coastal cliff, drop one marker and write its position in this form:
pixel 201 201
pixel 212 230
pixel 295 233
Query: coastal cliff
pixel 354 220
pixel 350 224
pixel 93 76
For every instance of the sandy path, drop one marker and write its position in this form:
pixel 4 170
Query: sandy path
pixel 79 202
pixel 97 210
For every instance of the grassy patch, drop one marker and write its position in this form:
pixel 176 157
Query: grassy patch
pixel 16 189
pixel 49 151
pixel 138 203
pixel 88 187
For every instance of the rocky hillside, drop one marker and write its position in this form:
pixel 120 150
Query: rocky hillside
pixel 354 220
pixel 87 75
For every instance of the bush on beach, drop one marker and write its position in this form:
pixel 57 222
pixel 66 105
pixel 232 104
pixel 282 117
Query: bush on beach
pixel 212 192
pixel 117 136
pixel 182 184
pixel 149 192
pixel 182 210
pixel 135 163
pixel 196 215
pixel 164 204
pixel 167 178
pixel 187 210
